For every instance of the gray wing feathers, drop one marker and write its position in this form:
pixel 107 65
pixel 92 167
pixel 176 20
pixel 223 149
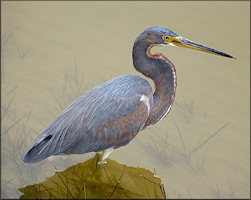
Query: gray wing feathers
pixel 108 102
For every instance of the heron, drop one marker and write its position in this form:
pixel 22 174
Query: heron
pixel 113 113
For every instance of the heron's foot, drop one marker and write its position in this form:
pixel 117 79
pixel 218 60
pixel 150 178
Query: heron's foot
pixel 102 162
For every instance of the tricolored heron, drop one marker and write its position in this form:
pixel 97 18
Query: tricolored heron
pixel 111 115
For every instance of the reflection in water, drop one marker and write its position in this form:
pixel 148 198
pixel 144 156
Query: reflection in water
pixel 90 180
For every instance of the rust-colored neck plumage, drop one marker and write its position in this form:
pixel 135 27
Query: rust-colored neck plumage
pixel 162 72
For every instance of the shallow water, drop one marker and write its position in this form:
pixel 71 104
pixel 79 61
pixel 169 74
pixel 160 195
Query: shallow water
pixel 44 43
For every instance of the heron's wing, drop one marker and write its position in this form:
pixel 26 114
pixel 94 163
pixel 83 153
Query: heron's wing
pixel 107 116
pixel 117 124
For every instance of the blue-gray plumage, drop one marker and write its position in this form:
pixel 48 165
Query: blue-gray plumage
pixel 111 115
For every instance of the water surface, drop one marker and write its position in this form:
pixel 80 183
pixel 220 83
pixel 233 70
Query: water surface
pixel 48 48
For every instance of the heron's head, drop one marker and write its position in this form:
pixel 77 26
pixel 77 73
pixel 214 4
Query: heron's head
pixel 158 35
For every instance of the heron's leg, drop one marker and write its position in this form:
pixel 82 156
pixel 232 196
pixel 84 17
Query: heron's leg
pixel 105 155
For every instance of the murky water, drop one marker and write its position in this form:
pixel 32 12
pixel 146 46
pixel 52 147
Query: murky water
pixel 54 52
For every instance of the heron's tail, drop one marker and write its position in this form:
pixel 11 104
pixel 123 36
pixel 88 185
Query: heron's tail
pixel 37 151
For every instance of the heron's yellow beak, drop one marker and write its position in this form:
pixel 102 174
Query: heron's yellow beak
pixel 182 42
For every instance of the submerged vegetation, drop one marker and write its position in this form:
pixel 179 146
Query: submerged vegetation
pixel 90 180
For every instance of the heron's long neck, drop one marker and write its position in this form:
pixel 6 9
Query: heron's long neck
pixel 163 73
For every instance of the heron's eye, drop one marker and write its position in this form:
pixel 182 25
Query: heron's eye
pixel 165 37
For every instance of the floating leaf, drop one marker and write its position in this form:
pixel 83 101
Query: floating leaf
pixel 90 180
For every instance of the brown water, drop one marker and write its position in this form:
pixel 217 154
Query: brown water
pixel 44 42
